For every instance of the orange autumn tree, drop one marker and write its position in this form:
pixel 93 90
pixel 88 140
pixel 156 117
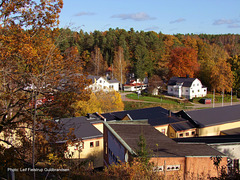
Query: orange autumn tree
pixel 37 82
pixel 183 61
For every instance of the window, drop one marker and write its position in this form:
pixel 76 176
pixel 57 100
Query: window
pixel 181 135
pixel 173 167
pixel 186 90
pixel 91 144
pixel 100 81
pixel 158 168
pixel 171 89
pixel 193 132
pixel 197 84
pixel 198 90
pixel 193 84
pixel 192 91
pixel 187 134
pixel 97 143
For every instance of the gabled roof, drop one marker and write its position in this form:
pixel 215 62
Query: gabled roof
pixel 215 116
pixel 187 82
pixel 98 77
pixel 113 81
pixel 159 144
pixel 83 129
pixel 156 116
pixel 93 78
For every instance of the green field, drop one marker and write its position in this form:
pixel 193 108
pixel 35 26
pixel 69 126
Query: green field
pixel 167 103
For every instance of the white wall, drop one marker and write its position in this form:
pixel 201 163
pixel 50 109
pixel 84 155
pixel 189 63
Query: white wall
pixel 115 86
pixel 231 150
pixel 103 84
pixel 195 90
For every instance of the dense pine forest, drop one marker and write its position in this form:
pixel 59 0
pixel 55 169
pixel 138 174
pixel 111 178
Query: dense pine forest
pixel 214 59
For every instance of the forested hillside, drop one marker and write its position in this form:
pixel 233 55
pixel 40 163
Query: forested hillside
pixel 214 59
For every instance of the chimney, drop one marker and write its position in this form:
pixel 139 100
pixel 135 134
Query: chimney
pixel 169 113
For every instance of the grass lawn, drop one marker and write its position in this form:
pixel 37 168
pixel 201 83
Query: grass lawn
pixel 151 99
pixel 171 104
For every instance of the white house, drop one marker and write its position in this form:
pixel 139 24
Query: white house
pixel 186 87
pixel 101 83
pixel 136 85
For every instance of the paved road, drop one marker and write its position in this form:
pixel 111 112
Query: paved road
pixel 195 105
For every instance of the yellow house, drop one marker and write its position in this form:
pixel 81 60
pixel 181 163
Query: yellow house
pixel 211 122
pixel 87 143
pixel 168 123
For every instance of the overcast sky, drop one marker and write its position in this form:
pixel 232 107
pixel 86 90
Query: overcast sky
pixel 167 16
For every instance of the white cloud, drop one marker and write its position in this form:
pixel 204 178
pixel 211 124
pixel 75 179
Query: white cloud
pixel 177 20
pixel 234 26
pixel 223 21
pixel 84 14
pixel 153 28
pixel 232 23
pixel 141 16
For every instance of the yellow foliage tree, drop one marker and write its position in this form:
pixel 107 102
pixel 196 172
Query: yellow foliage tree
pixel 215 71
pixel 101 102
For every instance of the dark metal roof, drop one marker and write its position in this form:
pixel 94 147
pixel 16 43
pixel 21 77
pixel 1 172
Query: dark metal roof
pixel 97 77
pixel 155 115
pixel 187 82
pixel 113 81
pixel 180 126
pixel 210 139
pixel 215 116
pixel 82 127
pixel 159 144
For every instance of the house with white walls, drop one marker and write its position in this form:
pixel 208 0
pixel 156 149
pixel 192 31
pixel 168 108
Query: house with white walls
pixel 100 83
pixel 186 87
pixel 135 85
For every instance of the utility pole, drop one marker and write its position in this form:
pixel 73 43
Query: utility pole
pixel 213 97
pixel 34 99
pixel 222 96
pixel 120 57
pixel 231 96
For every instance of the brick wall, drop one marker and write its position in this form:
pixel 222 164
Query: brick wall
pixel 186 167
